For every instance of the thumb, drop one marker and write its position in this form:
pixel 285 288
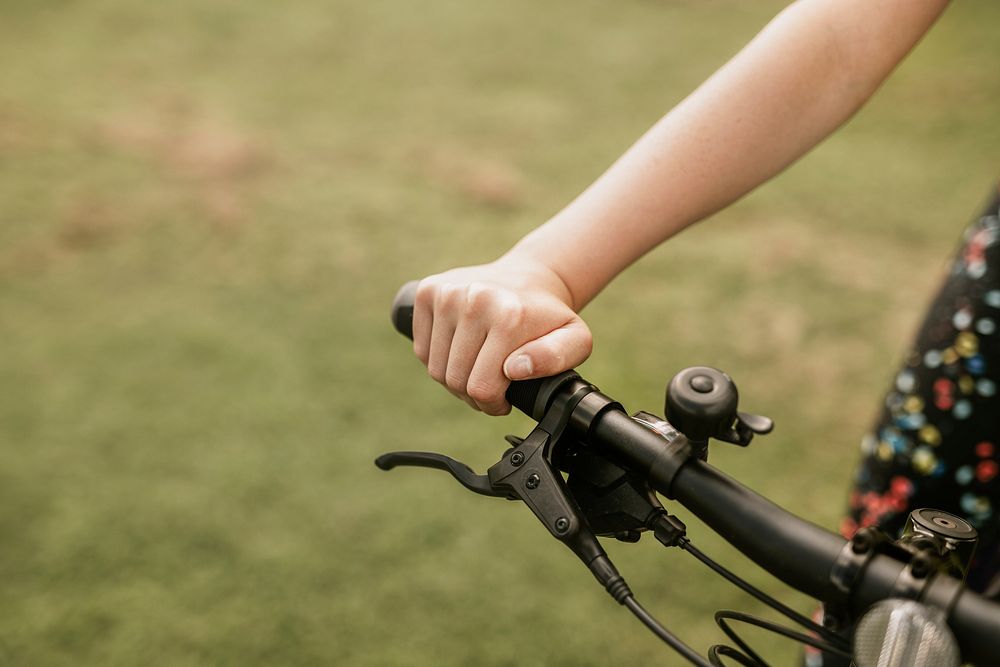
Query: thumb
pixel 553 353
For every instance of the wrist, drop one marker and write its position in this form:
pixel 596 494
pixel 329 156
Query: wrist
pixel 537 272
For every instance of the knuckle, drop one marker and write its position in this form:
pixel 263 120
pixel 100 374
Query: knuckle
pixel 479 298
pixel 510 315
pixel 548 357
pixel 449 296
pixel 426 292
pixel 482 393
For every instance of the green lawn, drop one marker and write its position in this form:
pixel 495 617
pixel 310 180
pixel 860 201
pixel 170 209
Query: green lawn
pixel 205 210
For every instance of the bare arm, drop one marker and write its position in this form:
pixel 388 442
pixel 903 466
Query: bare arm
pixel 799 80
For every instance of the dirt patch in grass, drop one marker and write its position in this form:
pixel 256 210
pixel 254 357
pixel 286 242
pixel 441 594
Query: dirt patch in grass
pixel 17 132
pixel 89 221
pixel 483 179
pixel 210 155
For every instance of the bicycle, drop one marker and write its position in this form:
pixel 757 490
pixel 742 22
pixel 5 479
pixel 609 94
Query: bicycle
pixel 886 602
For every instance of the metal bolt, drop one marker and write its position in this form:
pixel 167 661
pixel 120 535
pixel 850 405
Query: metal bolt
pixel 562 524
pixel 517 458
pixel 861 543
pixel 533 481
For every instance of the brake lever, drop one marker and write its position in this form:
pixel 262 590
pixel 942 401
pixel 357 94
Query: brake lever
pixel 525 472
pixel 465 475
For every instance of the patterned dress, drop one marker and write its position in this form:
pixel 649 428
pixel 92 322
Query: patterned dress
pixel 936 442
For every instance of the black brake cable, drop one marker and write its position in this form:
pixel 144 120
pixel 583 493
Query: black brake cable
pixel 716 652
pixel 722 616
pixel 670 532
pixel 831 637
pixel 668 637
pixel 745 656
pixel 823 638
pixel 829 642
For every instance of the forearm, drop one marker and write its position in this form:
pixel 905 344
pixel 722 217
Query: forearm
pixel 800 79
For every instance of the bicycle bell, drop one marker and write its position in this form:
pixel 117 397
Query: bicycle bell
pixel 701 403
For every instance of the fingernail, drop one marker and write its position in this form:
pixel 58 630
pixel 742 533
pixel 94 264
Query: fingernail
pixel 518 367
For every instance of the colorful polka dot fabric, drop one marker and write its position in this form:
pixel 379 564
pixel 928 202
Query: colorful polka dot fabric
pixel 937 440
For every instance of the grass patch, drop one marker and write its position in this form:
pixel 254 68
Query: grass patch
pixel 205 210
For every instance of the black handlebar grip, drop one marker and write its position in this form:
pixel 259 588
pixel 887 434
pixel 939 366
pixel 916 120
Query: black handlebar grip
pixel 402 308
pixel 522 394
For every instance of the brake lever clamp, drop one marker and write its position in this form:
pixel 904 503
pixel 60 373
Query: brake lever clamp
pixel 615 502
pixel 523 473
pixel 527 472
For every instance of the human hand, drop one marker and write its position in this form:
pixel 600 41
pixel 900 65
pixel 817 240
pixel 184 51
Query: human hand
pixel 477 328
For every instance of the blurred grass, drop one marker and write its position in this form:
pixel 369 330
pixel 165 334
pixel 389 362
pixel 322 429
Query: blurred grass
pixel 205 209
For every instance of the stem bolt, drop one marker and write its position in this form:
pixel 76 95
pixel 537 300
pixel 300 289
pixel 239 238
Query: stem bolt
pixel 533 481
pixel 517 458
pixel 562 524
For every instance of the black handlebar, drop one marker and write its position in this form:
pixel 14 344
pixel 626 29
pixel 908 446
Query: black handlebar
pixel 795 551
